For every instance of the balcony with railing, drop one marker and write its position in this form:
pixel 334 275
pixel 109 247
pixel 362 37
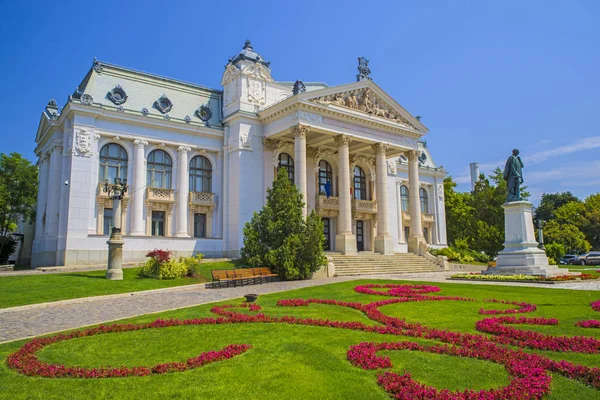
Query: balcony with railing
pixel 364 206
pixel 202 199
pixel 330 203
pixel 160 195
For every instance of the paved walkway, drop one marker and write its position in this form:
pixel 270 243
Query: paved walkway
pixel 35 320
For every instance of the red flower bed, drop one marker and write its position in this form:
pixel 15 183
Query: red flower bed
pixel 529 377
pixel 590 323
pixel 595 305
pixel 523 307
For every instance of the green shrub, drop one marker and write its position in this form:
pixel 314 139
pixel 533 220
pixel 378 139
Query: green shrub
pixel 8 245
pixel 193 265
pixel 554 251
pixel 160 266
pixel 466 258
pixel 279 237
pixel 450 253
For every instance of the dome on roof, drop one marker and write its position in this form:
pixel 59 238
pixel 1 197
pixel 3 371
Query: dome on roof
pixel 248 54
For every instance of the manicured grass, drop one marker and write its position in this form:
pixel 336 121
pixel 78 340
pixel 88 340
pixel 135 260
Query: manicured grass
pixel 302 362
pixel 32 289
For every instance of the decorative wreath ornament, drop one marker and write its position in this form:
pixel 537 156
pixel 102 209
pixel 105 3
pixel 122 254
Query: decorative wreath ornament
pixel 117 95
pixel 204 112
pixel 163 104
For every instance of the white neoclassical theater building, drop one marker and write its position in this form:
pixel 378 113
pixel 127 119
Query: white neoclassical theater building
pixel 198 162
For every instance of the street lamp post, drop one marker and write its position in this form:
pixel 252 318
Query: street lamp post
pixel 541 235
pixel 116 192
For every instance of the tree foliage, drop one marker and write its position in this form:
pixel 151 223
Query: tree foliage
pixel 18 192
pixel 477 217
pixel 550 202
pixel 568 235
pixel 280 238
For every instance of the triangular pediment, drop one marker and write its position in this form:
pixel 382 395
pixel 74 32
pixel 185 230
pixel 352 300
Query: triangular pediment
pixel 366 97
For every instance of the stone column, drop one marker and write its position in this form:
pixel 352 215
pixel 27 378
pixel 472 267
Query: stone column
pixel 138 186
pixel 399 211
pixel 182 193
pixel 42 195
pixel 416 239
pixel 383 242
pixel 54 186
pixel 345 241
pixel 300 132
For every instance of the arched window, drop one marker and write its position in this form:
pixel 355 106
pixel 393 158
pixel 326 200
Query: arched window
pixel 285 161
pixel 325 175
pixel 404 198
pixel 113 162
pixel 159 169
pixel 200 175
pixel 360 184
pixel 424 201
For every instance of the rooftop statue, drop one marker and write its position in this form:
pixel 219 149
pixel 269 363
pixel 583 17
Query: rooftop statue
pixel 513 175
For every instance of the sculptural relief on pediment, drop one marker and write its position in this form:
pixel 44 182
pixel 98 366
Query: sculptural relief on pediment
pixel 367 101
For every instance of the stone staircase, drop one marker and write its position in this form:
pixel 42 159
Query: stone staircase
pixel 370 263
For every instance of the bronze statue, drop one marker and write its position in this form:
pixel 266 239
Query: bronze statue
pixel 513 175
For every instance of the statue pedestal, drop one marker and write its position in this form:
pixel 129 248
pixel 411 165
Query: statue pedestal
pixel 114 271
pixel 521 254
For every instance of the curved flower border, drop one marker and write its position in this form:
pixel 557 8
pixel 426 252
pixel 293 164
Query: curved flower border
pixel 529 371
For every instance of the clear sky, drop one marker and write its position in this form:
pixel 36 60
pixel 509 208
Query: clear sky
pixel 486 76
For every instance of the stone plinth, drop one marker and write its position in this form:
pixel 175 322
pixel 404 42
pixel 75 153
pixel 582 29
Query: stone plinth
pixel 521 254
pixel 115 257
pixel 345 243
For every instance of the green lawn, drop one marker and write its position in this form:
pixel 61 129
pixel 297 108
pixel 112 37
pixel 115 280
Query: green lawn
pixel 31 289
pixel 302 362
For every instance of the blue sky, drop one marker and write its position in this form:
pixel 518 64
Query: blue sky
pixel 486 76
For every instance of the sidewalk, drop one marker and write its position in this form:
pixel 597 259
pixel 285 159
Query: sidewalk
pixel 39 319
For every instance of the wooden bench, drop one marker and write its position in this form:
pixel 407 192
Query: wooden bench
pixel 219 276
pixel 241 275
pixel 265 272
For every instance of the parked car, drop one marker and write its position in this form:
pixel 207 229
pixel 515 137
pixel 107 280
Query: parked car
pixel 592 258
pixel 567 258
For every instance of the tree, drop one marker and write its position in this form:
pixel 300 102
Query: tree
pixel 18 192
pixel 458 212
pixel 568 235
pixel 280 238
pixel 550 202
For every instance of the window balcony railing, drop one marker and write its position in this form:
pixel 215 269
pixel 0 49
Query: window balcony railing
pixel 364 206
pixel 424 217
pixel 101 194
pixel 160 195
pixel 328 203
pixel 202 199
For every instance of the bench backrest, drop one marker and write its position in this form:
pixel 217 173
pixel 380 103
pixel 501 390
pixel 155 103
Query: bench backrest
pixel 219 274
pixel 265 271
pixel 245 272
pixel 233 273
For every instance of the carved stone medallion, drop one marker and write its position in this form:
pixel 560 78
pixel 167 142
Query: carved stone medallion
pixel 83 143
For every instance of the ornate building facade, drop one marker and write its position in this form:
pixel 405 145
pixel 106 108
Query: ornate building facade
pixel 198 161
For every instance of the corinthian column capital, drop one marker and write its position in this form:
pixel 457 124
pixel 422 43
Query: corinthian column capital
pixel 380 148
pixel 342 140
pixel 412 155
pixel 300 130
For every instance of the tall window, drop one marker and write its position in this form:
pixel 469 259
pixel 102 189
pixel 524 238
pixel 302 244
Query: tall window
pixel 199 225
pixel 404 198
pixel 200 175
pixel 325 175
pixel 424 201
pixel 159 169
pixel 360 184
pixel 113 162
pixel 285 161
pixel 108 221
pixel 158 223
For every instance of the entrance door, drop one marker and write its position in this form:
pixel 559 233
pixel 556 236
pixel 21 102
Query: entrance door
pixel 326 229
pixel 360 236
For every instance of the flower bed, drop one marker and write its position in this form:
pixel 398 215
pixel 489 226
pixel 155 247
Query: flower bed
pixel 521 277
pixel 530 373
